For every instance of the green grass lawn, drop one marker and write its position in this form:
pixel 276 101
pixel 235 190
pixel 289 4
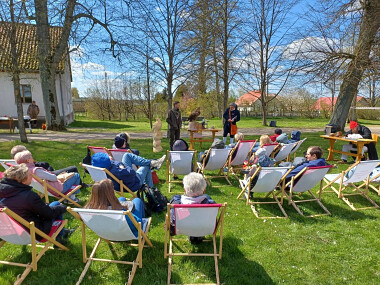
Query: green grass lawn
pixel 336 249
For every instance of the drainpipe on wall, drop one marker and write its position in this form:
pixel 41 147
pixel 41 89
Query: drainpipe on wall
pixel 63 107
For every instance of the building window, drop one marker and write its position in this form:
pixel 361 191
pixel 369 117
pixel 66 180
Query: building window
pixel 26 93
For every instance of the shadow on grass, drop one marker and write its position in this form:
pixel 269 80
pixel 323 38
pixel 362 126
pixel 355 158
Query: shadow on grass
pixel 98 124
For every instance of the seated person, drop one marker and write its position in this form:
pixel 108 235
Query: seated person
pixel 313 158
pixel 121 141
pixel 124 171
pixel 277 132
pixel 195 187
pixel 60 184
pixel 238 137
pixel 217 144
pixel 103 198
pixel 46 165
pixel 365 133
pixel 264 140
pixel 17 195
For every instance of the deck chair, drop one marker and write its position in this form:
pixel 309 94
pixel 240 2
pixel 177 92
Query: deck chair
pixel 46 190
pixel 216 160
pixel 296 147
pixel 361 171
pixel 178 163
pixel 373 179
pixel 268 179
pixel 242 150
pixel 269 148
pixel 117 154
pixel 284 152
pixel 5 163
pixel 196 220
pixel 96 149
pixel 98 174
pixel 16 230
pixel 117 229
pixel 303 182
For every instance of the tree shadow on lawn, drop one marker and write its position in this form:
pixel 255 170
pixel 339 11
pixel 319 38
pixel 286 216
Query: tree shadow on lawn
pixel 234 267
pixel 99 125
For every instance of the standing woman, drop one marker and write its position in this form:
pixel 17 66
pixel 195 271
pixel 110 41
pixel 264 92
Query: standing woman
pixel 230 116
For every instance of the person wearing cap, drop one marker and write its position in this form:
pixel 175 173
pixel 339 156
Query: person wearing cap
pixel 230 116
pixel 121 141
pixel 124 171
pixel 365 132
pixel 174 121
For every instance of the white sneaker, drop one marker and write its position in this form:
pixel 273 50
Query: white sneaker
pixel 157 163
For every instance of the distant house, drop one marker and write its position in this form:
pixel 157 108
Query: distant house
pixel 249 104
pixel 326 103
pixel 30 77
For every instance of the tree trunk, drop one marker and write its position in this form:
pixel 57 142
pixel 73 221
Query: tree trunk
pixel 349 88
pixel 148 92
pixel 20 111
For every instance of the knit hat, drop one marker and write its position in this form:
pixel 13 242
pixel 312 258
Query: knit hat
pixel 180 145
pixel 101 159
pixel 353 124
pixel 119 141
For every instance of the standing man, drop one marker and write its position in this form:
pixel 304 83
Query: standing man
pixel 174 120
pixel 33 111
pixel 230 116
pixel 356 128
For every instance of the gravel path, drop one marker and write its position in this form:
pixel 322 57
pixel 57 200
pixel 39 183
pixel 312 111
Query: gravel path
pixel 72 136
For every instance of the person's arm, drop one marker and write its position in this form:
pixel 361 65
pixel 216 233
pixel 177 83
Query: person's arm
pixel 226 114
pixel 43 174
pixel 237 117
pixel 366 133
pixel 38 109
pixel 37 206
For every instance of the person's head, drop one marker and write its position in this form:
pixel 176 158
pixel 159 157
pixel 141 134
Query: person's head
pixel 119 142
pixel 103 196
pixel 354 126
pixel 101 160
pixel 239 137
pixel 16 149
pixel 313 153
pixel 34 102
pixel 24 157
pixel 125 136
pixel 180 145
pixel 265 139
pixel 194 184
pixel 277 131
pixel 233 106
pixel 20 173
pixel 218 144
pixel 176 105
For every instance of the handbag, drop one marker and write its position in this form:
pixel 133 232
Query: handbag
pixel 234 128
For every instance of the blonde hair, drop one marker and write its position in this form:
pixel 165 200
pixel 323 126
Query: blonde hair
pixel 194 184
pixel 17 172
pixel 16 149
pixel 239 136
pixel 23 156
pixel 103 196
pixel 265 139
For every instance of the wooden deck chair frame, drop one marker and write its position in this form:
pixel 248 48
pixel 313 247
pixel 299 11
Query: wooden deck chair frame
pixel 294 150
pixel 96 149
pixel 217 253
pixel 169 178
pixel 297 179
pixel 49 190
pixel 141 239
pixel 5 163
pixel 235 169
pixel 369 183
pixel 271 192
pixel 340 179
pixel 221 173
pixel 33 231
pixel 123 188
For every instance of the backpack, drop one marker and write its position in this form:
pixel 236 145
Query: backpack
pixel 87 159
pixel 156 201
pixel 296 135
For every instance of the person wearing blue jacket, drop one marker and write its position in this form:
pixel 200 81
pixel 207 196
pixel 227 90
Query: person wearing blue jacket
pixel 230 116
pixel 313 159
pixel 124 171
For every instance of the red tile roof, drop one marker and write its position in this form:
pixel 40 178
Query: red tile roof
pixel 26 45
pixel 249 98
pixel 324 102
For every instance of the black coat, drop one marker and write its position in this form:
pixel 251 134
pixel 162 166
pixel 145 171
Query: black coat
pixel 24 202
pixel 366 134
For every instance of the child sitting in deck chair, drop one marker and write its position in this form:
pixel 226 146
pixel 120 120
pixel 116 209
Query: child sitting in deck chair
pixel 103 198
pixel 195 187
